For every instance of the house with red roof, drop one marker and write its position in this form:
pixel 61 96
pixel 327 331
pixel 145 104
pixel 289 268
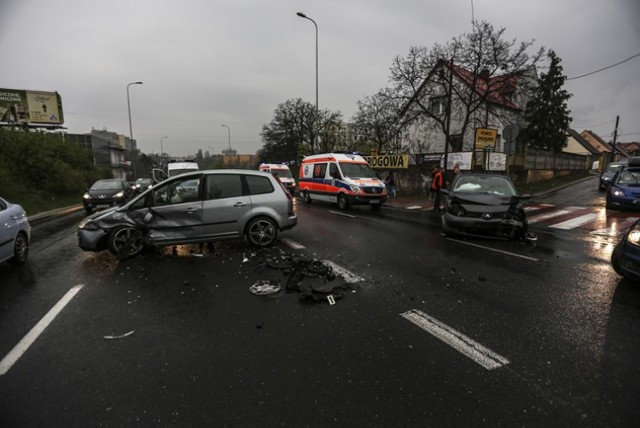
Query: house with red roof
pixel 478 100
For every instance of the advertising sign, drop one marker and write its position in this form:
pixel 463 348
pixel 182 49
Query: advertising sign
pixel 388 161
pixel 497 162
pixel 30 107
pixel 486 138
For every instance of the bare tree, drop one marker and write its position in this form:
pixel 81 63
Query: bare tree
pixel 463 81
pixel 377 123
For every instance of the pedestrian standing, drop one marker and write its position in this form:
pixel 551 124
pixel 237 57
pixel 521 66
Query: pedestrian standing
pixel 436 184
pixel 390 181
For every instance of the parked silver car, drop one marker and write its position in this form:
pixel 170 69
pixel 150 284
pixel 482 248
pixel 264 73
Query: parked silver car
pixel 15 233
pixel 202 206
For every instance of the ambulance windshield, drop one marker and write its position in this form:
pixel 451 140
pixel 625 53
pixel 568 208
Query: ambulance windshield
pixel 357 170
pixel 282 172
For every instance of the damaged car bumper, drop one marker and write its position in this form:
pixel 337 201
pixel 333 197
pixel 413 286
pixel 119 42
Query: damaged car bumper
pixel 485 226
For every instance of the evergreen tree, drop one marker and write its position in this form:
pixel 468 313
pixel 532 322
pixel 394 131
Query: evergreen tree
pixel 546 113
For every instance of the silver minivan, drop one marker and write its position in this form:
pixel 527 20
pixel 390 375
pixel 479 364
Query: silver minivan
pixel 196 207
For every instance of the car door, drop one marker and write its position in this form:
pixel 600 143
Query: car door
pixel 176 208
pixel 225 205
pixel 7 231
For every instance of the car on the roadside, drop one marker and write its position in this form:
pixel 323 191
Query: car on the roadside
pixel 198 207
pixel 609 172
pixel 106 193
pixel 15 233
pixel 625 258
pixel 142 184
pixel 624 189
pixel 484 205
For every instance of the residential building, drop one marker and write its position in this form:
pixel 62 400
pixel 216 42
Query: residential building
pixel 478 100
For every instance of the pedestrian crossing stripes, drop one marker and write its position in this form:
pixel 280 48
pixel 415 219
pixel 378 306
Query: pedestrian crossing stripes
pixel 594 220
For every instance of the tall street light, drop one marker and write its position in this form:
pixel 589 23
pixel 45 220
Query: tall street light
pixel 129 107
pixel 302 15
pixel 229 133
pixel 161 148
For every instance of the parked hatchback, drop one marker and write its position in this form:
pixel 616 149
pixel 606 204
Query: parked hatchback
pixel 202 206
pixel 608 172
pixel 15 233
pixel 106 193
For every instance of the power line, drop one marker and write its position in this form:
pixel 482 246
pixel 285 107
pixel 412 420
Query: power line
pixel 605 68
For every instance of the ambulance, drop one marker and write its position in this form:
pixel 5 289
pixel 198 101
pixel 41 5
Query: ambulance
pixel 341 178
pixel 282 171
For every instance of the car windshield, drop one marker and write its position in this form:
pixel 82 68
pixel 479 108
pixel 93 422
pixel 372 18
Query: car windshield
pixel 613 167
pixel 357 170
pixel 484 184
pixel 629 177
pixel 106 184
pixel 282 173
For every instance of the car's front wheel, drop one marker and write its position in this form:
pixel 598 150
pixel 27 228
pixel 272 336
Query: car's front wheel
pixel 343 203
pixel 126 241
pixel 262 231
pixel 20 250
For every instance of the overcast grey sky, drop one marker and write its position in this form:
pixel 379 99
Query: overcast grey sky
pixel 210 62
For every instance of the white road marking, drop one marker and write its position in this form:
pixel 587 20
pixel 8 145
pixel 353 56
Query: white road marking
pixel 547 216
pixel 575 222
pixel 533 259
pixel 293 244
pixel 415 207
pixel 620 228
pixel 536 207
pixel 463 344
pixel 348 277
pixel 343 214
pixel 24 344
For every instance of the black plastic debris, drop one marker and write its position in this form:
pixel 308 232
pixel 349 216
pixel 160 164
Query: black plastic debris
pixel 313 280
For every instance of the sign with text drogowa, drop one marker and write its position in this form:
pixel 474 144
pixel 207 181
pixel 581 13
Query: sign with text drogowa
pixel 486 138
pixel 30 107
pixel 388 161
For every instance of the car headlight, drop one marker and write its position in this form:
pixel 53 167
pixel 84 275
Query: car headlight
pixel 617 192
pixel 86 196
pixel 86 224
pixel 119 194
pixel 634 237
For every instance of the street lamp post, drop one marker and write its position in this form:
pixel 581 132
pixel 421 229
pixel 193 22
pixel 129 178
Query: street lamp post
pixel 130 127
pixel 129 107
pixel 229 135
pixel 302 15
pixel 161 147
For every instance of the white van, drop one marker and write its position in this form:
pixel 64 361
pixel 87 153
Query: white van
pixel 344 179
pixel 174 168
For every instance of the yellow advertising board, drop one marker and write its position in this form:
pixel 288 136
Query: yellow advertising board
pixel 388 161
pixel 30 107
pixel 486 138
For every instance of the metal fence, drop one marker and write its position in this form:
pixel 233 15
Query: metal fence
pixel 534 159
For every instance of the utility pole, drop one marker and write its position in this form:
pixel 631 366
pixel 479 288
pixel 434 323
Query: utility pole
pixel 615 137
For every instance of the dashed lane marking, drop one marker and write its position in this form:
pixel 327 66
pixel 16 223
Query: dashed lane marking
pixel 463 344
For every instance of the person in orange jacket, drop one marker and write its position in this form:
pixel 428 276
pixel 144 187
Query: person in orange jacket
pixel 437 182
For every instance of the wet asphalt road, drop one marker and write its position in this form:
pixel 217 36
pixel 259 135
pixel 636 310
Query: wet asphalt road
pixel 553 316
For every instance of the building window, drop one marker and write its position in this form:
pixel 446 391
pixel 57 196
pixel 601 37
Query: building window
pixel 437 105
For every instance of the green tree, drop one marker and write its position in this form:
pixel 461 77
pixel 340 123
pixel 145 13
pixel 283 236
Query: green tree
pixel 546 113
pixel 297 130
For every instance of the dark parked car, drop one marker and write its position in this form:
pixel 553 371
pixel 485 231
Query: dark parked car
pixel 15 233
pixel 142 184
pixel 609 171
pixel 106 193
pixel 202 206
pixel 625 258
pixel 484 205
pixel 624 190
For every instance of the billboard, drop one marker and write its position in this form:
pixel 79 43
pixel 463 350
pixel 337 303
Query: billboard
pixel 388 161
pixel 30 107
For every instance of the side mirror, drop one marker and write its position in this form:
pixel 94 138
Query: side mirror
pixel 148 217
